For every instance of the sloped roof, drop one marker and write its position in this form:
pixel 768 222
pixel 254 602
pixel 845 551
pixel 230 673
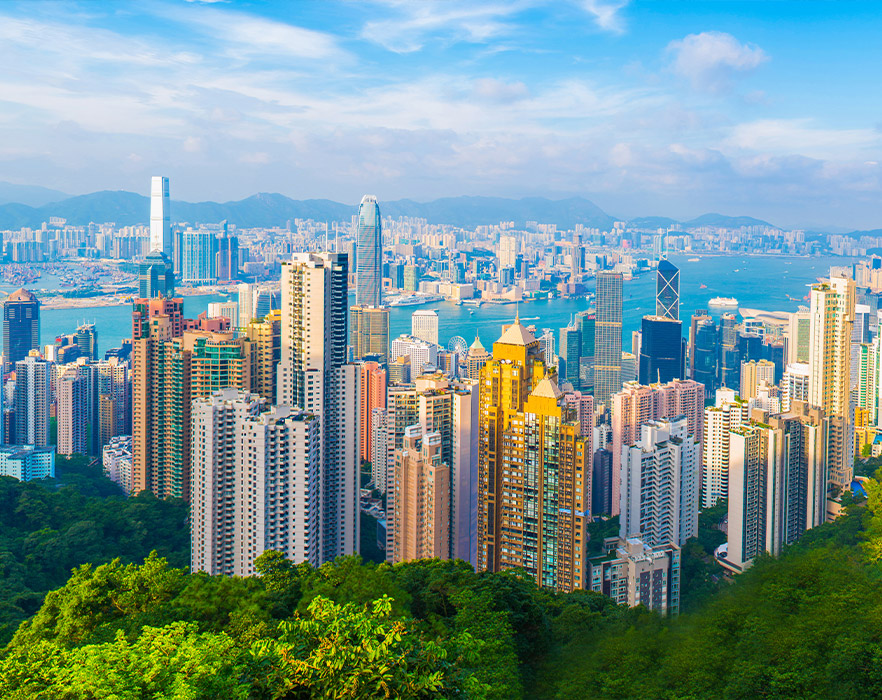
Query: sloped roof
pixel 517 334
pixel 547 388
pixel 22 295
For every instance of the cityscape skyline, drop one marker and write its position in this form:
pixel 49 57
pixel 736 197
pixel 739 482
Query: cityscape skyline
pixel 494 99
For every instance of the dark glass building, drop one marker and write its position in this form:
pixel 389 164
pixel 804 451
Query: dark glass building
pixel 703 355
pixel 156 276
pixel 667 290
pixel 21 325
pixel 570 353
pixel 661 350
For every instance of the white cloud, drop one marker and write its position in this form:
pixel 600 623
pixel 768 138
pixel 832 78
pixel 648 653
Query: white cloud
pixel 799 136
pixel 606 14
pixel 710 60
pixel 495 90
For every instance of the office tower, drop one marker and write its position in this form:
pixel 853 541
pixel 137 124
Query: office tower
pixel 160 220
pixel 423 356
pixel 369 332
pixel 667 290
pixel 70 410
pixel 752 373
pixel 629 367
pixel 464 473
pixel 795 384
pixel 87 341
pixel 659 484
pixel 266 351
pixel 570 352
pixel 421 516
pixel 369 253
pixel 156 277
pixel 424 325
pixel 585 321
pixel 635 405
pixel 245 299
pixel 703 352
pixel 726 415
pixel 661 350
pixel 32 399
pixel 546 345
pixel 632 573
pixel 372 396
pixel 227 256
pixel 777 482
pixel 608 337
pixel 21 325
pixel 636 342
pixel 399 370
pixel 476 358
pixel 798 330
pixel 265 301
pixel 225 309
pixel 730 358
pixel 116 459
pixel 534 469
pixel 313 375
pixel 256 476
pixel 411 278
pixel 832 318
pixel 26 462
pixel 199 258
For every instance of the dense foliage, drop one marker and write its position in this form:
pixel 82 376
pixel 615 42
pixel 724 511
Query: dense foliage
pixel 806 625
pixel 51 526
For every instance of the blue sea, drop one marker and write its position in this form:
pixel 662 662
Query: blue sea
pixel 770 283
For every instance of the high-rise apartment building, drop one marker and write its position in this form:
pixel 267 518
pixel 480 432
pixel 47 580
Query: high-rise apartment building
pixel 424 325
pixel 21 325
pixel 795 384
pixel 255 483
pixel 369 253
pixel 476 358
pixel 608 337
pixel 534 469
pixel 636 405
pixel 369 332
pixel 777 482
pixel 32 398
pixel 667 290
pixel 661 350
pixel 421 516
pixel 373 396
pixel 71 407
pixel 160 218
pixel 727 414
pixel 199 257
pixel 313 375
pixel 423 356
pixel 798 331
pixel 752 373
pixel 659 484
pixel 831 322
pixel 265 336
pixel 225 309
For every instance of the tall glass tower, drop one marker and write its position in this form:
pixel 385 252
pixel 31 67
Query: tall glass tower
pixel 608 337
pixel 160 222
pixel 667 295
pixel 369 253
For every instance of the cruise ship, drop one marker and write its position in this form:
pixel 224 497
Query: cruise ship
pixel 724 302
pixel 414 299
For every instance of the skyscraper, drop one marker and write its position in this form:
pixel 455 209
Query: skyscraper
pixel 199 257
pixel 608 337
pixel 160 220
pixel 421 516
pixel 369 253
pixel 570 353
pixel 156 278
pixel 313 375
pixel 266 351
pixel 831 320
pixel 703 351
pixel 424 325
pixel 369 332
pixel 534 469
pixel 659 484
pixel 373 396
pixel 585 321
pixel 21 325
pixel 70 409
pixel 255 483
pixel 661 350
pixel 667 290
pixel 32 396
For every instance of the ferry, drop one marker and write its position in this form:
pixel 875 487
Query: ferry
pixel 694 260
pixel 415 299
pixel 724 302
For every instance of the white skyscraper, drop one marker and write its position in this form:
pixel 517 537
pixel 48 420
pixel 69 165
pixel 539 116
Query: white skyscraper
pixel 424 325
pixel 32 394
pixel 795 384
pixel 160 222
pixel 313 375
pixel 659 485
pixel 369 253
pixel 254 483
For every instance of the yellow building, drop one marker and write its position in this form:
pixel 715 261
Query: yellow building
pixel 534 469
pixel 266 351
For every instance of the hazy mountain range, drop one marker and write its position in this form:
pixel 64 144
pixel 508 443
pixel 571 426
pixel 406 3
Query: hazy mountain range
pixel 23 205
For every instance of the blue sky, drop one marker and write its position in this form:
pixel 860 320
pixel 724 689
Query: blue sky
pixel 770 109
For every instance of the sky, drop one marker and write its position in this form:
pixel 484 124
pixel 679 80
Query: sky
pixel 767 109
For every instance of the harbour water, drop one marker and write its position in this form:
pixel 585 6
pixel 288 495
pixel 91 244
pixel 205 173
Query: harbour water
pixel 770 283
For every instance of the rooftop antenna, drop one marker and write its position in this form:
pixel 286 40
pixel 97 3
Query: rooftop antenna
pixel 518 312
